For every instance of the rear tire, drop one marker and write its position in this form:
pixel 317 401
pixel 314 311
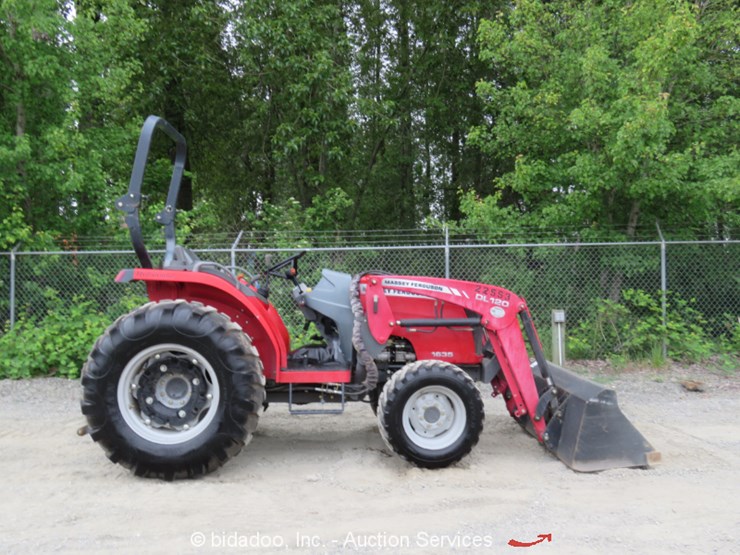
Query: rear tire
pixel 430 413
pixel 172 390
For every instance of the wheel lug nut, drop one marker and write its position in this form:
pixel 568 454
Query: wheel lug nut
pixel 185 427
pixel 196 381
pixel 148 422
pixel 149 400
pixel 209 396
pixel 195 361
pixel 157 356
pixel 133 386
pixel 182 414
pixel 163 368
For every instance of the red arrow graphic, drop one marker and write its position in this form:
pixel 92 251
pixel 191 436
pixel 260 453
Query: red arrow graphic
pixel 543 537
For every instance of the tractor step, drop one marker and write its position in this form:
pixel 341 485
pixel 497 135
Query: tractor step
pixel 313 375
pixel 333 389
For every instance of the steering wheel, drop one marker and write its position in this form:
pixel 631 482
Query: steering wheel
pixel 289 274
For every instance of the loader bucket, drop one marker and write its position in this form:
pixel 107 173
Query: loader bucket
pixel 588 432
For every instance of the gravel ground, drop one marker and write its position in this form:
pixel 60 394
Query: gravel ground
pixel 325 484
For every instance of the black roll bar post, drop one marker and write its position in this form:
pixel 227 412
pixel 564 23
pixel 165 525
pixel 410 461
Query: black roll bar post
pixel 131 201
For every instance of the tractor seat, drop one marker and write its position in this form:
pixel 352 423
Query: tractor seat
pixel 185 259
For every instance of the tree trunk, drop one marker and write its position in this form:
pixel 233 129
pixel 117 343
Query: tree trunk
pixel 407 216
pixel 451 200
pixel 615 287
pixel 20 120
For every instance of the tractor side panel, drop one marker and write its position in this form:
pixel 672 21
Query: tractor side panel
pixel 453 345
pixel 260 321
pixel 389 299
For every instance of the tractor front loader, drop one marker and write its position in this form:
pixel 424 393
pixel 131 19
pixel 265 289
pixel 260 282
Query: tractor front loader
pixel 176 387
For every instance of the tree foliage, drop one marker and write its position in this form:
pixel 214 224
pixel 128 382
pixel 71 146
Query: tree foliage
pixel 592 118
pixel 611 114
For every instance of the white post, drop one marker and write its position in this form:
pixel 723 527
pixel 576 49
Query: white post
pixel 558 337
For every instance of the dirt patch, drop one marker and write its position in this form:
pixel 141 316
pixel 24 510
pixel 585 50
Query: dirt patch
pixel 316 484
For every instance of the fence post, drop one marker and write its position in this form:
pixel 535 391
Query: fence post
pixel 447 252
pixel 663 287
pixel 233 249
pixel 12 285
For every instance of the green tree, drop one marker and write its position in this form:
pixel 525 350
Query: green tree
pixel 416 69
pixel 608 115
pixel 448 69
pixel 34 94
pixel 103 119
pixel 294 67
pixel 598 117
pixel 190 77
pixel 66 110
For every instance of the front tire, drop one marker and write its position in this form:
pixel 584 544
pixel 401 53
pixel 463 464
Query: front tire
pixel 172 390
pixel 430 413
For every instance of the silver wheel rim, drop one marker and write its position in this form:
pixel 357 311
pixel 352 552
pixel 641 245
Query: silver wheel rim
pixel 434 417
pixel 172 392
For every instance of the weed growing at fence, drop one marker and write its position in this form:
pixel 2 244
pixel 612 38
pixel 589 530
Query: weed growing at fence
pixel 54 344
pixel 633 329
pixel 57 343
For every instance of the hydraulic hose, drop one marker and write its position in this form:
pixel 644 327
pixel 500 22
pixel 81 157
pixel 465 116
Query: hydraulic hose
pixel 365 360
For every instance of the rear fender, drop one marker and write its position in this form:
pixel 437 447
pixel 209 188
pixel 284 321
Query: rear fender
pixel 258 318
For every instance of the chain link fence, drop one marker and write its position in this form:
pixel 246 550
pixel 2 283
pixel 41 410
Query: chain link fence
pixel 5 296
pixel 702 277
pixel 569 277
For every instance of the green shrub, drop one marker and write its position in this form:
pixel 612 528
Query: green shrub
pixel 730 339
pixel 56 344
pixel 633 329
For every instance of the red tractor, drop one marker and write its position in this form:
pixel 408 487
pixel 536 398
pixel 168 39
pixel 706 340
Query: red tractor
pixel 176 387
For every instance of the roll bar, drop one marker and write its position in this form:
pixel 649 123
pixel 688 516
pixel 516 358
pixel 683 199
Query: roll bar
pixel 130 202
